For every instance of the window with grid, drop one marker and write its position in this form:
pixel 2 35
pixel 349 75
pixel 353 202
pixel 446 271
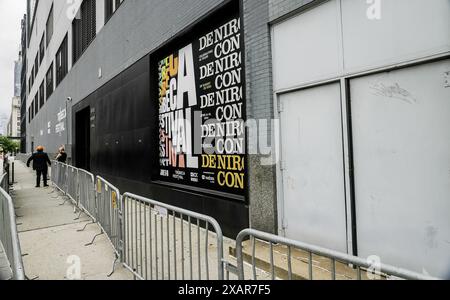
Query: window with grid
pixel 41 95
pixel 49 81
pixel 49 26
pixel 61 62
pixel 76 39
pixel 84 28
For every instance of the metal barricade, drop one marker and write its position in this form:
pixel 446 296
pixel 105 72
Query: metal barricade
pixel 72 184
pixel 163 242
pixel 363 269
pixel 109 213
pixel 8 233
pixel 4 182
pixel 54 172
pixel 86 193
pixel 61 182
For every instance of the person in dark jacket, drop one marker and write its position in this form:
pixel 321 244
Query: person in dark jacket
pixel 62 155
pixel 41 161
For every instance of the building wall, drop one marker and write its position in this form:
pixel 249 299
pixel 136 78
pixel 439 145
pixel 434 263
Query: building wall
pixel 386 164
pixel 116 47
pixel 62 20
pixel 261 106
pixel 135 30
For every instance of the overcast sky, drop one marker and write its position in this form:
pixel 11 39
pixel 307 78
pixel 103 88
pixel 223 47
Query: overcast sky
pixel 11 13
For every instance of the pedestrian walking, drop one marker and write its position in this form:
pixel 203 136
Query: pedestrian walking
pixel 41 161
pixel 62 155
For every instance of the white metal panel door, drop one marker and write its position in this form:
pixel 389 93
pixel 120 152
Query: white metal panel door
pixel 401 137
pixel 306 47
pixel 405 30
pixel 313 175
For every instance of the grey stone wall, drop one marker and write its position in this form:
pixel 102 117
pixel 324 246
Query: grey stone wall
pixel 280 8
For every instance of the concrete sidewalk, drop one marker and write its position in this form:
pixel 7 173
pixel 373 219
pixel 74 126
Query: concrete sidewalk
pixel 49 236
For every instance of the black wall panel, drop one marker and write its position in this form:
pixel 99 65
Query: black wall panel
pixel 124 146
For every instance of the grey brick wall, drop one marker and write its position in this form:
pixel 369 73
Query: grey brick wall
pixel 279 8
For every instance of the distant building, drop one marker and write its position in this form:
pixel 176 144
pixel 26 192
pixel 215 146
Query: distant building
pixel 17 76
pixel 23 88
pixel 13 127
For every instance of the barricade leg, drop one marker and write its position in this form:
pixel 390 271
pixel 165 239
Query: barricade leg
pixel 85 226
pixel 95 237
pixel 113 266
pixel 79 216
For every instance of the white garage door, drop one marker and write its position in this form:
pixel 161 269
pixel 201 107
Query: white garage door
pixel 313 175
pixel 401 135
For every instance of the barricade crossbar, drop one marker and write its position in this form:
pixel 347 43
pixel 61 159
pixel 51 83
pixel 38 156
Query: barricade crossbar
pixel 335 257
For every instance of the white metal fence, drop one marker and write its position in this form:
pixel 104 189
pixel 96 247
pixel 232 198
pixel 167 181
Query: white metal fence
pixel 164 242
pixel 87 201
pixel 8 231
pixel 109 213
pixel 361 269
pixel 157 241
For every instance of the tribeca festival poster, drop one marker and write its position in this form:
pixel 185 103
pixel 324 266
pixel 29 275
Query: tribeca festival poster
pixel 202 111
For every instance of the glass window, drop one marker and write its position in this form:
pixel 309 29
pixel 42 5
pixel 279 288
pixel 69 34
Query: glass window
pixel 49 26
pixel 61 62
pixel 49 81
pixel 41 95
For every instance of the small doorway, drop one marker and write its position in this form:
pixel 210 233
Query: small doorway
pixel 83 140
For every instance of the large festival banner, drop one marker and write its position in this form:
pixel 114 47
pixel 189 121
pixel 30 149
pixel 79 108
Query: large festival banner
pixel 202 111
